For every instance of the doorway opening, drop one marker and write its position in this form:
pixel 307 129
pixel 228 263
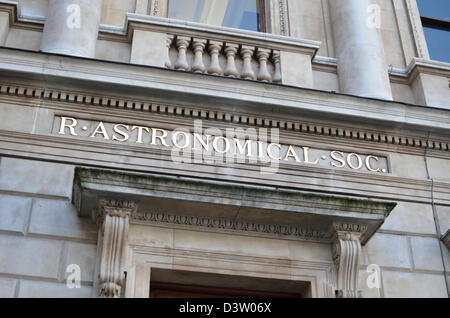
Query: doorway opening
pixel 167 283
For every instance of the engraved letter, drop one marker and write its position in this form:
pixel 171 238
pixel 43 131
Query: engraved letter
pixel 140 133
pixel 349 162
pixel 269 151
pixel 291 153
pixel 369 167
pixel 333 156
pixel 121 132
pixel 204 144
pixel 238 146
pixel 187 139
pixel 161 138
pixel 227 144
pixel 100 130
pixel 71 126
pixel 305 151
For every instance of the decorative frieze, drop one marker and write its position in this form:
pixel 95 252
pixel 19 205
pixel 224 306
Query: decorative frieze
pixel 224 224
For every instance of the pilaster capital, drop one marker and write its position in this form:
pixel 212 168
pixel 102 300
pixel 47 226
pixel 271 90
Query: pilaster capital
pixel 115 207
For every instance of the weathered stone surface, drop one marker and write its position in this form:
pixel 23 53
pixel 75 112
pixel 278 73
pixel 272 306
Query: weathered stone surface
pixel 388 250
pixel 368 292
pixel 29 256
pixel 224 243
pixel 4 27
pixel 426 253
pixel 24 39
pixel 150 236
pixel 36 177
pixel 7 287
pixel 413 285
pixel 14 211
pixel 142 53
pixel 410 218
pixel 439 168
pixel 38 289
pixel 59 218
pixel 113 51
pixel 443 214
pixel 82 255
pixel 291 75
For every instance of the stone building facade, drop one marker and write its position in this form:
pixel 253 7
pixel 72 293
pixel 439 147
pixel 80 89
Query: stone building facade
pixel 152 156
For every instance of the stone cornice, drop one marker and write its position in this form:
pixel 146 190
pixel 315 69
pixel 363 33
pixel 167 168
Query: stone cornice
pixel 247 119
pixel 253 210
pixel 397 75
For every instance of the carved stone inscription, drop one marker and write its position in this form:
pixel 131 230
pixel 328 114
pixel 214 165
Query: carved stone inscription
pixel 208 145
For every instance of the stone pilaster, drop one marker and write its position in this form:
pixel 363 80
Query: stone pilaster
pixel 362 68
pixel 114 216
pixel 71 27
pixel 346 250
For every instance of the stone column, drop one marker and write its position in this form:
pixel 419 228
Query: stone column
pixel 362 68
pixel 346 250
pixel 71 27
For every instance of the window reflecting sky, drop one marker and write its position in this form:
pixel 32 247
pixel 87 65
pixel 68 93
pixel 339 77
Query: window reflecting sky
pixel 438 42
pixel 239 14
pixel 436 9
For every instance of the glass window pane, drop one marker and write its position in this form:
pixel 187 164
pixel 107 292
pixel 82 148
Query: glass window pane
pixel 239 14
pixel 436 9
pixel 438 42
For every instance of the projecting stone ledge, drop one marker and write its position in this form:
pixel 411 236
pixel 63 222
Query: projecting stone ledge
pixel 207 205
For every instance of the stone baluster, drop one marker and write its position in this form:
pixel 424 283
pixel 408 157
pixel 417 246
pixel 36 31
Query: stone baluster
pixel 230 51
pixel 71 27
pixel 346 250
pixel 182 43
pixel 199 46
pixel 276 62
pixel 263 56
pixel 169 41
pixel 247 53
pixel 214 49
pixel 114 216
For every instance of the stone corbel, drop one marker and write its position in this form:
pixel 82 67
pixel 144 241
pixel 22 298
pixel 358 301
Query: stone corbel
pixel 346 250
pixel 113 216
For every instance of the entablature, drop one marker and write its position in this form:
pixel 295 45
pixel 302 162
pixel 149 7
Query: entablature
pixel 207 205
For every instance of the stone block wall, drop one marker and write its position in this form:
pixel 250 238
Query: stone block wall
pixel 40 231
pixel 409 253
